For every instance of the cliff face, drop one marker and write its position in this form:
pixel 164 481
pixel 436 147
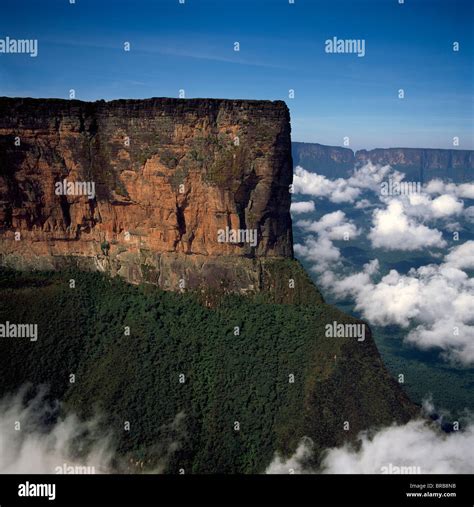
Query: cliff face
pixel 418 164
pixel 337 162
pixel 424 164
pixel 167 181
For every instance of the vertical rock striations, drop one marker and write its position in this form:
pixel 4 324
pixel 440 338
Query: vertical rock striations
pixel 171 180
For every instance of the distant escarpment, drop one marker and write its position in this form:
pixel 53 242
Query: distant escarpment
pixel 168 191
pixel 332 161
pixel 418 164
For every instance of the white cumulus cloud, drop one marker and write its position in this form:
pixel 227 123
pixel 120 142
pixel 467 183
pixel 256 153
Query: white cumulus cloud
pixel 320 249
pixel 302 207
pixel 462 190
pixel 434 302
pixel 308 183
pixel 332 225
pixel 393 229
pixel 367 177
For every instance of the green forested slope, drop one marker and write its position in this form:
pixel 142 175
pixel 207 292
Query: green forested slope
pixel 228 377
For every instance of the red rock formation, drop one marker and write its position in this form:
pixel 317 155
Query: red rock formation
pixel 168 174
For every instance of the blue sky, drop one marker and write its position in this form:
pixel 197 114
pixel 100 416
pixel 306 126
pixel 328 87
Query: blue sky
pixel 191 47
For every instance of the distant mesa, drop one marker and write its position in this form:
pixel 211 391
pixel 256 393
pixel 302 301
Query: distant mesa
pixel 418 164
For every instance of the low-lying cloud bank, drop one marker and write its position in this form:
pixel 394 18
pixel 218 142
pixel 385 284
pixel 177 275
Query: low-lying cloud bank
pixel 69 446
pixel 321 249
pixel 370 177
pixel 416 447
pixel 398 222
pixel 434 303
pixel 27 446
pixel 437 299
pixel 343 190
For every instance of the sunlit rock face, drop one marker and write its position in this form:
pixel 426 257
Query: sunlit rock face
pixel 144 188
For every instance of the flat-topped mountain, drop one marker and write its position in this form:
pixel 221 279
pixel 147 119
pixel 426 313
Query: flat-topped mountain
pixel 154 190
pixel 183 194
pixel 418 164
pixel 332 161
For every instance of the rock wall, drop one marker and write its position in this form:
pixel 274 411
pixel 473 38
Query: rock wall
pixel 169 177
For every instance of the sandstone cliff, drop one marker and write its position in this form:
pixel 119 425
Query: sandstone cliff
pixel 168 175
pixel 418 164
